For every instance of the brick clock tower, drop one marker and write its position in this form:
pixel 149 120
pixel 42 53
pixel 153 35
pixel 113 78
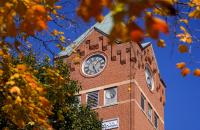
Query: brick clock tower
pixel 120 81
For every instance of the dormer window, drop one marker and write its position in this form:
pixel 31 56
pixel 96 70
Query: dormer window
pixel 149 77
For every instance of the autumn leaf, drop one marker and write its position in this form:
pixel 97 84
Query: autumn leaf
pixel 185 36
pixel 91 8
pixel 137 7
pixel 155 25
pixel 181 65
pixel 55 32
pixel 194 14
pixel 18 100
pixel 137 34
pixel 161 43
pixel 1 53
pixel 15 90
pixel 21 68
pixel 167 6
pixel 183 48
pixel 99 18
pixel 44 101
pixel 58 7
pixel 184 21
pixel 185 72
pixel 119 31
pixel 197 72
pixel 1 72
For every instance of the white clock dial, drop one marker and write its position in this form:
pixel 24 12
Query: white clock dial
pixel 110 94
pixel 94 65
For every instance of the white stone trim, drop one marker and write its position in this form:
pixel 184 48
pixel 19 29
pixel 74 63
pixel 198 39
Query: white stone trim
pixel 106 86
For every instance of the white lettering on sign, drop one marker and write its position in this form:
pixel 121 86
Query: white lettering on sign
pixel 110 124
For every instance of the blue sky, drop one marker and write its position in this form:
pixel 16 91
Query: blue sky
pixel 182 94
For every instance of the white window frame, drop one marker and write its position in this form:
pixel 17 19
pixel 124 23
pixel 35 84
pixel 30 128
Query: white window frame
pixel 109 104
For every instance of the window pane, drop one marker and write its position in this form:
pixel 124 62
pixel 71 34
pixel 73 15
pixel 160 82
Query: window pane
pixel 156 120
pixel 142 102
pixel 110 96
pixel 92 99
pixel 149 113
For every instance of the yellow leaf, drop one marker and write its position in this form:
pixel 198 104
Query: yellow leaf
pixel 194 14
pixel 1 72
pixel 18 100
pixel 10 82
pixel 184 21
pixel 183 29
pixel 55 32
pixel 118 8
pixel 1 53
pixel 62 38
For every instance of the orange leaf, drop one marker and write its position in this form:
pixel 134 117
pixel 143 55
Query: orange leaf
pixel 42 25
pixel 39 9
pixel 155 25
pixel 197 72
pixel 161 43
pixel 21 67
pixel 58 7
pixel 185 71
pixel 44 101
pixel 183 48
pixel 15 90
pixel 180 65
pixel 99 18
pixel 136 33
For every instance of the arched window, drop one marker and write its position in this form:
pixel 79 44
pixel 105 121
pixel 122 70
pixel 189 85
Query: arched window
pixel 149 77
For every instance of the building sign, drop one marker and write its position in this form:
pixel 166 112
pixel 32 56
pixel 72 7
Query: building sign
pixel 110 124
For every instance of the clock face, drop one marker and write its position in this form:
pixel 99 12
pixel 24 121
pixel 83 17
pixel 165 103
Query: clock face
pixel 94 65
pixel 110 93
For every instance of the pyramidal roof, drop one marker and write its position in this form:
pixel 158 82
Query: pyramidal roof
pixel 105 27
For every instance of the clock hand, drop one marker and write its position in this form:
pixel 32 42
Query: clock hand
pixel 94 69
pixel 96 62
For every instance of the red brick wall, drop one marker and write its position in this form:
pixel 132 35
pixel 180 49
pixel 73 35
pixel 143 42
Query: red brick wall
pixel 120 68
